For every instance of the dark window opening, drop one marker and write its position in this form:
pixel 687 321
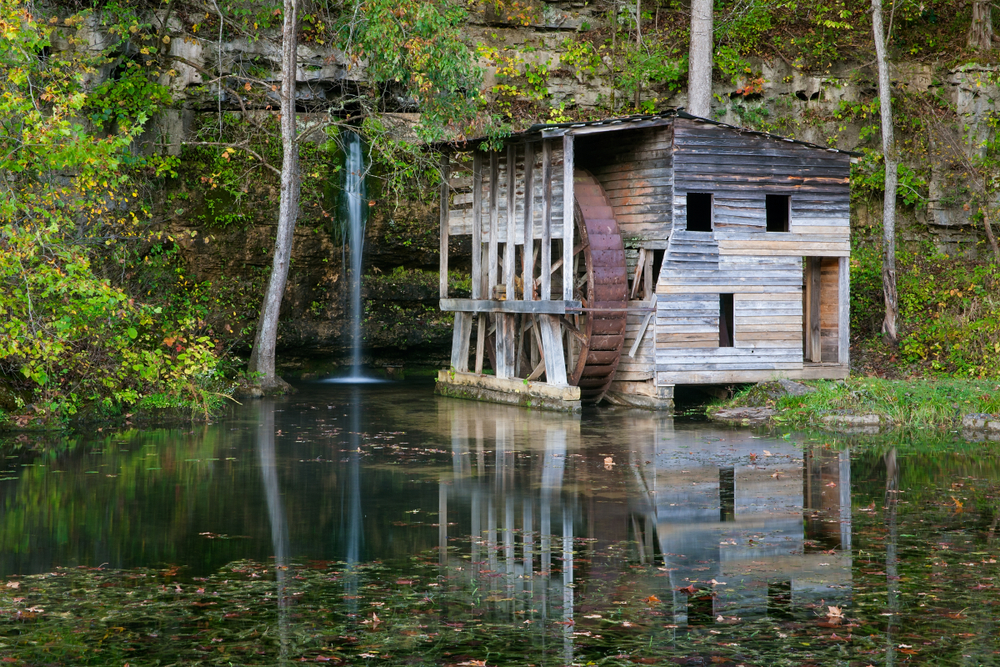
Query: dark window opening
pixel 727 494
pixel 777 212
pixel 699 212
pixel 726 320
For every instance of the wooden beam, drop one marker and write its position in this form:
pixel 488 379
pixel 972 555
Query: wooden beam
pixel 569 207
pixel 460 342
pixel 505 339
pixel 516 306
pixel 642 329
pixel 477 224
pixel 494 221
pixel 649 280
pixel 445 192
pixel 509 270
pixel 844 311
pixel 639 274
pixel 552 346
pixel 546 289
pixel 528 250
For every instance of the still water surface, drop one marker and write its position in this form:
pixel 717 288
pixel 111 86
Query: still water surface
pixel 379 524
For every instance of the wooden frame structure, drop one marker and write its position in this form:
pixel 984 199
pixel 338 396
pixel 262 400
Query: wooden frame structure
pixel 619 258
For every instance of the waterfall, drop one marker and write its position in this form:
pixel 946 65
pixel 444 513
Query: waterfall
pixel 354 195
pixel 354 212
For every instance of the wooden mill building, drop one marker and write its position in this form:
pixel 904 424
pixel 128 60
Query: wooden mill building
pixel 614 260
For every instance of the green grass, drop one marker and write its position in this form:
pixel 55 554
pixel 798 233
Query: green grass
pixel 937 404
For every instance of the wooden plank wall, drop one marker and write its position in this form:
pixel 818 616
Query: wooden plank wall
pixel 460 218
pixel 763 270
pixel 740 169
pixel 634 168
pixel 639 367
pixel 829 309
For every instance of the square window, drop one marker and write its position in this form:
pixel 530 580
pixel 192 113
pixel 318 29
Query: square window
pixel 778 207
pixel 699 212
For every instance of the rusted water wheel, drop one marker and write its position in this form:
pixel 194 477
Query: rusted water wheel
pixel 594 337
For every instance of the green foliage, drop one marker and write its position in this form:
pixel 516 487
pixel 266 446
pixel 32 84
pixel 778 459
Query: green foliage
pixel 70 338
pixel 948 306
pixel 868 180
pixel 934 404
pixel 67 336
pixel 417 48
pixel 125 99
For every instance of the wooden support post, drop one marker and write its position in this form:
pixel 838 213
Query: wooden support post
pixel 528 250
pixel 814 348
pixel 494 222
pixel 477 224
pixel 445 192
pixel 552 348
pixel 482 321
pixel 460 342
pixel 569 208
pixel 505 345
pixel 639 273
pixel 649 280
pixel 509 270
pixel 519 346
pixel 546 272
pixel 844 311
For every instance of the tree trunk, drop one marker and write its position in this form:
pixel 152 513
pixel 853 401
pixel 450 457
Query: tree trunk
pixel 261 367
pixel 891 176
pixel 992 240
pixel 981 28
pixel 700 59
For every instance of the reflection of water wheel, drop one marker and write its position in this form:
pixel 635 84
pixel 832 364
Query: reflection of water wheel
pixel 594 339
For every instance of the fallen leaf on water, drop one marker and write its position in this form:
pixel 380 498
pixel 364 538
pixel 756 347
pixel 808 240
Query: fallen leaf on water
pixel 13 584
pixel 652 599
pixel 609 463
pixel 593 616
pixel 690 590
pixel 767 453
pixel 834 612
pixel 717 583
pixel 958 504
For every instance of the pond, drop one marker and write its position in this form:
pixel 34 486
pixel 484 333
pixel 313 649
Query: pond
pixel 381 525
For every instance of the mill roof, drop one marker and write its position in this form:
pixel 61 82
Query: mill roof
pixel 549 130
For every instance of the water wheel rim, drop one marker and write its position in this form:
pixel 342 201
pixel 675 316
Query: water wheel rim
pixel 606 280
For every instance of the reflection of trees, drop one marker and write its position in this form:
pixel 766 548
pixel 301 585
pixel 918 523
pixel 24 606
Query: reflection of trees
pixel 150 493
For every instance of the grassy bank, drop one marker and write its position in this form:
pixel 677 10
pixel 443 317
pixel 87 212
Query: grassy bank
pixel 930 404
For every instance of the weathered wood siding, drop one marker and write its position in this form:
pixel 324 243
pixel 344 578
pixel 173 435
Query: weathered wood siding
pixel 829 309
pixel 639 367
pixel 635 169
pixel 460 216
pixel 763 270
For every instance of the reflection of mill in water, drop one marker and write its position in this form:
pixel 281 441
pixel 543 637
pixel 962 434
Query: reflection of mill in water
pixel 775 528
